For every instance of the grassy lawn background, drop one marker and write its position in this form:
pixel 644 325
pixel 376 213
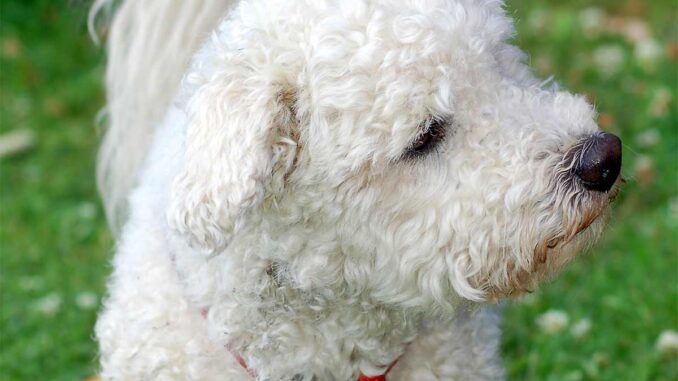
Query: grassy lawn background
pixel 55 247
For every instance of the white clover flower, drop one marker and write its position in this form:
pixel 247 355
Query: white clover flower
pixel 48 305
pixel 648 138
pixel 87 210
pixel 86 300
pixel 667 343
pixel 608 59
pixel 592 20
pixel 635 30
pixel 553 321
pixel 581 328
pixel 647 51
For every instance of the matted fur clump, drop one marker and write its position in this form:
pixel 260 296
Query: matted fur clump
pixel 333 185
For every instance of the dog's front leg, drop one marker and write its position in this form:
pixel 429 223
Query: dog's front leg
pixel 147 330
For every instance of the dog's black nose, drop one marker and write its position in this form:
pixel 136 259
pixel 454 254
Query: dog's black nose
pixel 599 162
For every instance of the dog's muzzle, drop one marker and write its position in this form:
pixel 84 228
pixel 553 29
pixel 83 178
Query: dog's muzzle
pixel 599 161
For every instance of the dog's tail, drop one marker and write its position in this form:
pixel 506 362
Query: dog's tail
pixel 150 43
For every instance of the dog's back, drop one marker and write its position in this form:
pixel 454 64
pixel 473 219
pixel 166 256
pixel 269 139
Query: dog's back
pixel 150 44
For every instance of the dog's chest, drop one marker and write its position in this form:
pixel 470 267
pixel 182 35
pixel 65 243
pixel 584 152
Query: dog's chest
pixel 256 310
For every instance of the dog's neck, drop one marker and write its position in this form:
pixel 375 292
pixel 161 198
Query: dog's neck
pixel 265 306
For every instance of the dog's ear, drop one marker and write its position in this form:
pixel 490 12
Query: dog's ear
pixel 239 132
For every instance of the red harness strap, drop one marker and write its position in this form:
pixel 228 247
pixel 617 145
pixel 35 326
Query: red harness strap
pixel 381 377
pixel 242 363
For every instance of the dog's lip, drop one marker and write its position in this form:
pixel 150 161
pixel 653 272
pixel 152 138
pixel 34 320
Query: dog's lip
pixel 586 226
pixel 616 187
pixel 611 197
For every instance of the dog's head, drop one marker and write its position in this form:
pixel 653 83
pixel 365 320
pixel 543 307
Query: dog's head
pixel 401 148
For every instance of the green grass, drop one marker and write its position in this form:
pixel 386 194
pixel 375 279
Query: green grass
pixel 55 247
pixel 54 242
pixel 627 286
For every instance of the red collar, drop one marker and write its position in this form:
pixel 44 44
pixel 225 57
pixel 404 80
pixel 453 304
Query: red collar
pixel 381 377
pixel 361 377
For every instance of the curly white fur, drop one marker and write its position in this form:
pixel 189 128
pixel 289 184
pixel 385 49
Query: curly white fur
pixel 278 197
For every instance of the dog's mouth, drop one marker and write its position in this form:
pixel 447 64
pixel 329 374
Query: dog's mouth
pixel 583 222
pixel 583 218
pixel 578 215
pixel 597 212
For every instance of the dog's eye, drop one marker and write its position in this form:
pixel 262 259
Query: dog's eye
pixel 433 132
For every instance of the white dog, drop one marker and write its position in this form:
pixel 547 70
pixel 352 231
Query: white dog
pixel 332 187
